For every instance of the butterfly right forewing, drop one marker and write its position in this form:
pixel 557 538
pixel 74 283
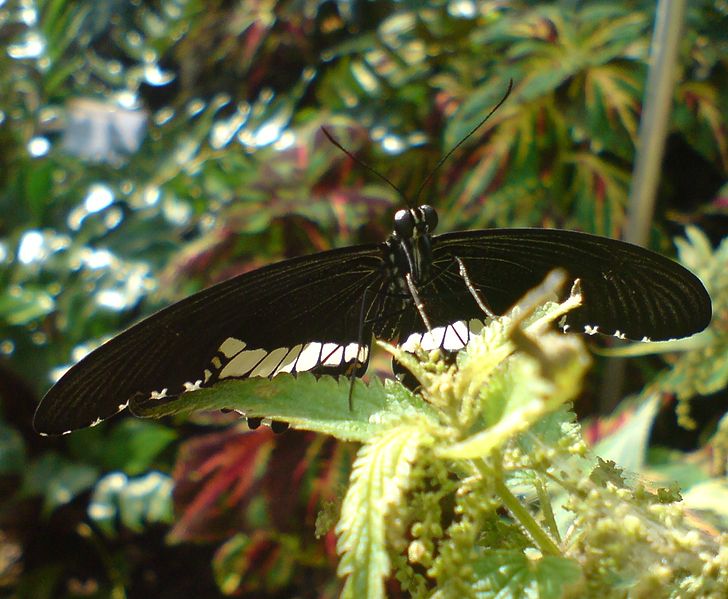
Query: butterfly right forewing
pixel 627 290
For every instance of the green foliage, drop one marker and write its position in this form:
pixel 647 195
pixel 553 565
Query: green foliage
pixel 704 369
pixel 132 447
pixel 514 574
pixel 698 367
pixel 233 173
pixel 699 364
pixel 58 480
pixel 133 503
pixel 237 562
pixel 428 487
pixel 12 450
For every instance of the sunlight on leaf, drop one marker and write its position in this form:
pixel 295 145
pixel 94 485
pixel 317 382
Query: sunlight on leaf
pixel 379 479
pixel 306 403
pixel 628 444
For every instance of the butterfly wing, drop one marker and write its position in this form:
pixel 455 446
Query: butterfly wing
pixel 302 314
pixel 626 288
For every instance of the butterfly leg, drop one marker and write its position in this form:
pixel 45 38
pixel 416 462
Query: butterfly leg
pixel 473 291
pixel 359 345
pixel 418 302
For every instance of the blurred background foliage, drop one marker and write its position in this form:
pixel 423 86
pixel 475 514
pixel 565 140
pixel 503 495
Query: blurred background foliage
pixel 151 148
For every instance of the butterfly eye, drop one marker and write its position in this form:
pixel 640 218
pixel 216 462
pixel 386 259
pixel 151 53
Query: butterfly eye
pixel 404 224
pixel 430 216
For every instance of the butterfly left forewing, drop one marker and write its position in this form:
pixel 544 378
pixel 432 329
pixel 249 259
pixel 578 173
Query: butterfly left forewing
pixel 293 316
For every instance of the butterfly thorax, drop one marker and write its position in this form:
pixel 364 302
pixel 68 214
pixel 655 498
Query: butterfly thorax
pixel 409 247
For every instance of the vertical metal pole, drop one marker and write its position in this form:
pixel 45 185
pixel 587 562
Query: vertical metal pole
pixel 650 148
pixel 661 80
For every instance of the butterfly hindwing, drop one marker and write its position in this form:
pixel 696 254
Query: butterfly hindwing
pixel 296 315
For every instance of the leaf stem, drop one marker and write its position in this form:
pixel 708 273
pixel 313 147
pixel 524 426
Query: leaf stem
pixel 548 512
pixel 510 501
pixel 520 513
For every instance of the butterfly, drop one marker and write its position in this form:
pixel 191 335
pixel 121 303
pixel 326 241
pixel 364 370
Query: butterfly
pixel 318 313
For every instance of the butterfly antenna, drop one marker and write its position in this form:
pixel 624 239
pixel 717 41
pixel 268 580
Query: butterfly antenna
pixel 442 161
pixel 363 164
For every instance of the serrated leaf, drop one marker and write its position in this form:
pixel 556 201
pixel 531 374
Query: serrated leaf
pixel 519 391
pixel 304 402
pixel 514 575
pixel 521 394
pixel 380 477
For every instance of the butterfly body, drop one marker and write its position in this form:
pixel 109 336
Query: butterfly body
pixel 318 313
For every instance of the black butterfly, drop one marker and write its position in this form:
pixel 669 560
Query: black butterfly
pixel 318 313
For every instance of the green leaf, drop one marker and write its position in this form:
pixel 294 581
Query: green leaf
pixel 260 562
pixel 132 502
pixel 21 305
pixel 133 445
pixel 709 495
pixel 12 450
pixel 379 479
pixel 304 402
pixel 628 445
pixel 514 575
pixel 130 445
pixel 58 480
pixel 232 562
pixel 518 389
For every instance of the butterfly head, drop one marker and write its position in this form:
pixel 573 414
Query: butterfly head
pixel 415 222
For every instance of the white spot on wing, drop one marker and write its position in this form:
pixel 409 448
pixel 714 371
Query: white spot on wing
pixel 270 363
pixel 591 330
pixel 309 357
pixel 412 341
pixel 289 362
pixel 619 335
pixel 193 386
pixel 122 406
pixel 96 422
pixel 451 337
pixel 231 347
pixel 433 339
pixel 353 352
pixel 457 336
pixel 158 394
pixel 646 340
pixel 332 354
pixel 241 364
